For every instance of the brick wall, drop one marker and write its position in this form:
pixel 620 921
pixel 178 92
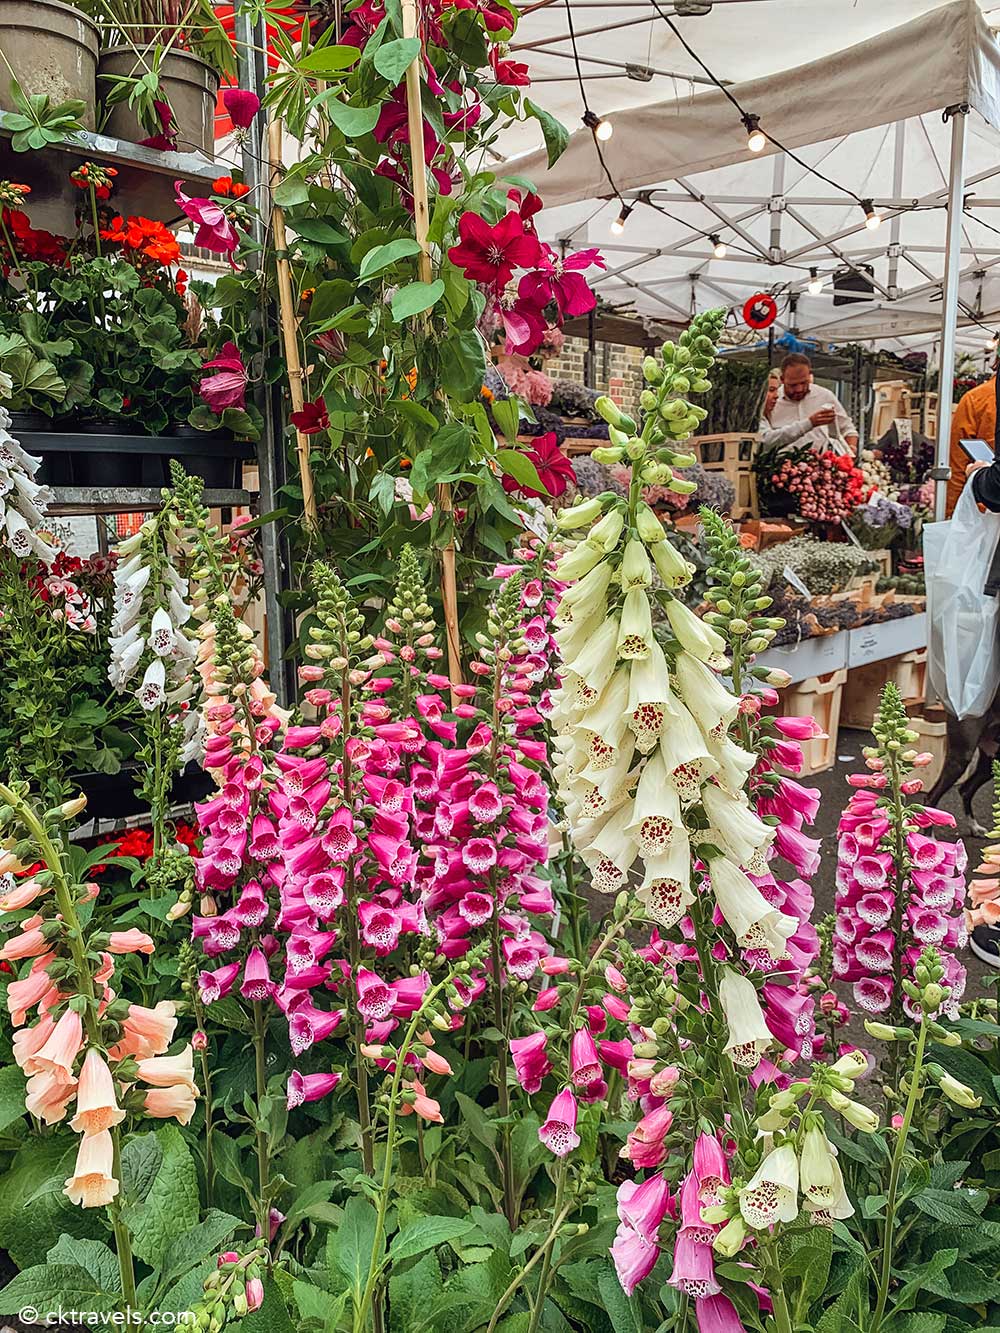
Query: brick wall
pixel 617 369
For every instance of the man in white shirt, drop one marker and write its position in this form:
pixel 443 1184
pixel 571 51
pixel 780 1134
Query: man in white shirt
pixel 804 413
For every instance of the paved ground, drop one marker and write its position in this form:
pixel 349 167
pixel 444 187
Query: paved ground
pixel 835 791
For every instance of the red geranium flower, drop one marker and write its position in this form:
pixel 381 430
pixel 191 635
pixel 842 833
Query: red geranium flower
pixel 554 469
pixel 491 254
pixel 312 418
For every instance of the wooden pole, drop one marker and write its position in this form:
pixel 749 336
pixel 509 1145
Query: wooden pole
pixel 421 222
pixel 289 326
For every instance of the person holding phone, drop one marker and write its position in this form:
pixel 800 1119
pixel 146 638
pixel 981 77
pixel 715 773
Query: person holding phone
pixel 805 413
pixel 975 419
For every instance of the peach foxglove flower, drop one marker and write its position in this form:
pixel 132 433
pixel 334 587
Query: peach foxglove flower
pixel 48 1096
pixel 130 941
pixel 169 1071
pixel 92 1184
pixel 97 1106
pixel 749 1036
pixel 146 1032
pixel 59 1053
pixel 176 1103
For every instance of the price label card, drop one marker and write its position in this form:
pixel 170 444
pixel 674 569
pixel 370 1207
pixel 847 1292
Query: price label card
pixel 851 535
pixel 790 577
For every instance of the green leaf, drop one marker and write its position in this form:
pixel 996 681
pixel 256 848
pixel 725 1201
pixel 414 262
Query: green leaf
pixel 293 190
pixel 385 255
pixel 272 1317
pixel 93 1256
pixel 522 469
pixel 554 132
pixel 198 1243
pixel 352 121
pixel 425 1234
pixel 392 58
pixel 48 1287
pixel 507 415
pixel 141 1158
pixel 415 1298
pixel 463 365
pixel 11 1095
pixel 415 298
pixel 616 1303
pixel 351 1247
pixel 955 1207
pixel 320 231
pixel 171 1206
pixel 918 1278
pixel 328 60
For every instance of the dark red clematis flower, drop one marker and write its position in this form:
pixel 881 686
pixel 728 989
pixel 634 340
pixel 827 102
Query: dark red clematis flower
pixel 511 73
pixel 554 469
pixel 560 280
pixel 524 325
pixel 242 106
pixel 166 140
pixel 491 254
pixel 526 207
pixel 312 418
pixel 228 386
pixel 495 17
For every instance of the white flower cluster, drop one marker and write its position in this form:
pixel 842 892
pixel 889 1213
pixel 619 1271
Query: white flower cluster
pixel 22 499
pixel 151 641
pixel 645 764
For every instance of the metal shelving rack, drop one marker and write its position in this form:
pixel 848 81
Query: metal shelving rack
pixel 150 174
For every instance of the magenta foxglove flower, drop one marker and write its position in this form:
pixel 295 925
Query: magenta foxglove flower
pixel 309 1087
pixel 257 984
pixel 375 998
pixel 643 1206
pixel 584 1062
pixel 531 1064
pixel 558 1133
pixel 634 1258
pixel 717 1314
pixel 228 386
pixel 694 1268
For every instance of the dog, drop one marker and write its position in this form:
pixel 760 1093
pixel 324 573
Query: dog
pixel 973 744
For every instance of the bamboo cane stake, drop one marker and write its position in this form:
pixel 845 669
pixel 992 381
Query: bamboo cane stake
pixel 421 220
pixel 289 329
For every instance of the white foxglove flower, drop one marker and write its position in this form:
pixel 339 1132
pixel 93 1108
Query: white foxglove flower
pixel 161 633
pixel 706 696
pixel 125 654
pixel 695 637
pixel 579 561
pixel 656 812
pixel 635 629
pixel 648 526
pixel 572 638
pixel 635 567
pixel 602 791
pixel 733 826
pixel 673 569
pixel 751 918
pixel 666 888
pixel 596 662
pixel 608 718
pixel 587 598
pixel 650 700
pixel 749 1036
pixel 840 1206
pixel 151 692
pixel 772 1195
pixel 735 763
pixel 609 850
pixel 606 532
pixel 820 1174
pixel 686 755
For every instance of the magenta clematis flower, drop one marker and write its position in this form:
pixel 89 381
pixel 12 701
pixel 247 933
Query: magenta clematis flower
pixel 490 254
pixel 510 73
pixel 558 1133
pixel 226 388
pixel 531 1063
pixel 242 106
pixel 560 280
pixel 214 230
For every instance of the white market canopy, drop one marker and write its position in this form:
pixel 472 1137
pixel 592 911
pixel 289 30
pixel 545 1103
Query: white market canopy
pixel 856 87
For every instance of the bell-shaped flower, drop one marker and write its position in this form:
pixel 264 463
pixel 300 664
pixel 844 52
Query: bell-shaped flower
pixel 735 763
pixel 572 638
pixel 686 755
pixel 713 706
pixel 656 811
pixel 634 1258
pixel 717 1314
pixel 531 1063
pixel 772 1193
pixel 694 1268
pixel 606 532
pixel 584 1062
pixel 819 1173
pixel 733 826
pixel 644 1206
pixel 97 1106
pixel 92 1184
pixel 695 636
pixel 309 1087
pixel 578 561
pixel 580 515
pixel 711 1168
pixel 650 700
pixel 635 567
pixel 610 851
pixel 673 569
pixel 558 1133
pixel 635 629
pixel 748 1035
pixel 666 886
pixel 151 693
pixel 161 633
pixel 645 1146
pixel 588 598
pixel 751 918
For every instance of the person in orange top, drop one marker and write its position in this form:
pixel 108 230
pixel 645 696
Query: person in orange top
pixel 975 418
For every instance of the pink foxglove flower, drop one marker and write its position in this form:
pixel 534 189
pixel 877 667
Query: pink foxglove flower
pixel 558 1133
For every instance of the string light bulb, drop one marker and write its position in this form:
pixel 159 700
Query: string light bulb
pixel 719 247
pixel 756 138
pixel 618 226
pixel 815 284
pixel 600 128
pixel 873 220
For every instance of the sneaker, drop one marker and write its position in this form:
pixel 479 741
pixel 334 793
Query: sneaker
pixel 985 944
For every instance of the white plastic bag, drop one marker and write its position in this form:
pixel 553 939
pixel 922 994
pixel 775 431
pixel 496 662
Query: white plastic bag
pixel 963 653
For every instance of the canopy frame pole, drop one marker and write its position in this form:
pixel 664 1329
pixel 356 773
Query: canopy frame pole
pixel 898 155
pixel 949 314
